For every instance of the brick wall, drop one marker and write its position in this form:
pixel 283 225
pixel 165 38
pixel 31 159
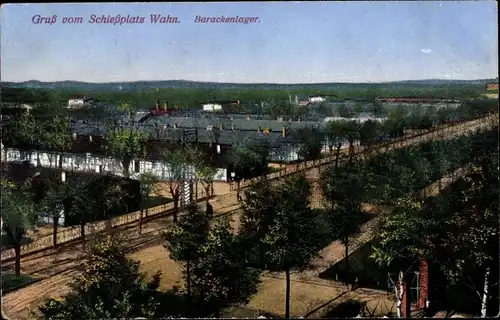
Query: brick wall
pixel 424 283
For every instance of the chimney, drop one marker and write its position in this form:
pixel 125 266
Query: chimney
pixel 165 105
pixel 283 131
pixel 175 125
pixel 423 296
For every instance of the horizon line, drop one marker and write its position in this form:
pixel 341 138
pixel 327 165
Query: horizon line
pixel 253 83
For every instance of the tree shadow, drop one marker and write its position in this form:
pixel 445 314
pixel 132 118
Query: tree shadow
pixel 347 309
pixel 11 283
pixel 154 201
pixel 363 271
pixel 6 243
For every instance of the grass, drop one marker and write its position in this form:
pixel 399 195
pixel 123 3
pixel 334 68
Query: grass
pixel 10 282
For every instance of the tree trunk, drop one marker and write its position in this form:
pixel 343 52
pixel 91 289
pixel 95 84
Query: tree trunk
pixel 337 156
pixel 140 220
pixel 126 166
pixel 351 152
pixel 188 285
pixel 60 165
pixel 82 233
pixel 176 208
pixel 287 294
pixel 17 263
pixel 484 302
pixel 55 222
pixel 207 193
pixel 346 248
pixel 238 190
pixel 398 289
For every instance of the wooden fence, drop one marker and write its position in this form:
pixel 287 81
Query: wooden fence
pixel 73 233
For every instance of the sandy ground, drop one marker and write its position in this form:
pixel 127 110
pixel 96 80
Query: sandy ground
pixel 57 268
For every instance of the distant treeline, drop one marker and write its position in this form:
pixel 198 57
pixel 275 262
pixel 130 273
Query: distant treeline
pixel 194 97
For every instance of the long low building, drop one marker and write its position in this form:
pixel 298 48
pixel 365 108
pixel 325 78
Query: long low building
pixel 419 102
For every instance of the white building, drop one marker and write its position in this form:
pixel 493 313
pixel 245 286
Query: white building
pixel 360 119
pixel 317 99
pixel 212 107
pixel 78 102
pixel 100 164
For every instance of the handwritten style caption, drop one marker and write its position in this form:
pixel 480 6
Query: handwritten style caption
pixel 128 19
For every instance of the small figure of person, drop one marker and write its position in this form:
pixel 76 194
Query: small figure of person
pixel 210 210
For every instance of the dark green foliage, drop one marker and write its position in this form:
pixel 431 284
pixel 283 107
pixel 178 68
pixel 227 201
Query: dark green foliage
pixel 279 227
pixel 223 275
pixel 343 191
pixel 312 140
pixel 404 171
pixel 18 216
pixel 457 231
pixel 126 144
pixel 186 239
pixel 110 287
pixel 369 132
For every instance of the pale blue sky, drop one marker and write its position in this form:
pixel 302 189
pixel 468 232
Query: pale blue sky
pixel 292 43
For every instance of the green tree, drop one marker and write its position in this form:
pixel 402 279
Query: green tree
pixel 471 240
pixel 18 215
pixel 148 182
pixel 23 132
pixel 186 239
pixel 205 172
pixel 243 160
pixel 261 198
pixel 334 136
pixel 177 163
pixel 126 144
pixel 405 234
pixel 312 143
pixel 111 286
pixel 222 275
pixel 53 202
pixel 351 133
pixel 128 108
pixel 343 191
pixel 56 135
pixel 368 133
pixel 284 234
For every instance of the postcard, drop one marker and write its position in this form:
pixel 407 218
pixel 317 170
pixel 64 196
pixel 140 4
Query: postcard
pixel 305 159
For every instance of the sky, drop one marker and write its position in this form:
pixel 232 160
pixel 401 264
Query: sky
pixel 292 42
